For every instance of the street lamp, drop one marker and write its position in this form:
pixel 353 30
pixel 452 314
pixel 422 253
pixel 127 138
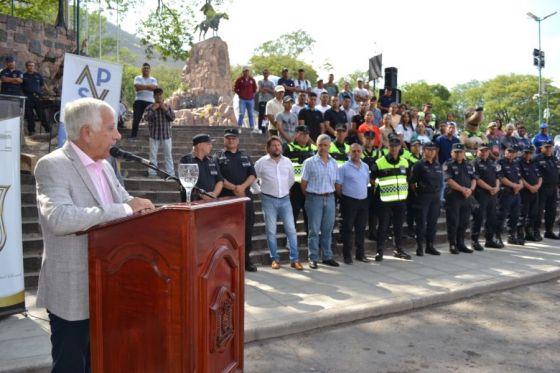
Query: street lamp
pixel 540 65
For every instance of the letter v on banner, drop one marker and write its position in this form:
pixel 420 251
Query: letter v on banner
pixel 89 77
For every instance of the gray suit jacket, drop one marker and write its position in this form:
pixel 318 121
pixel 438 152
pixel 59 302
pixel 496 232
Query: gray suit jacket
pixel 68 202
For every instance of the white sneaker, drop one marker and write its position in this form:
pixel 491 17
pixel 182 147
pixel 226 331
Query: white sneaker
pixel 256 130
pixel 239 129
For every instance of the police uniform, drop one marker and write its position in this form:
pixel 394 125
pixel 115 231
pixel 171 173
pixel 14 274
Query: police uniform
pixel 392 187
pixel 509 202
pixel 457 207
pixel 369 157
pixel 208 170
pixel 426 177
pixel 297 154
pixel 548 168
pixel 484 211
pixel 410 200
pixel 236 168
pixel 529 201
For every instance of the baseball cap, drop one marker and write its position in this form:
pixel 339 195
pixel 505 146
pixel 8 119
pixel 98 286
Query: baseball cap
pixel 303 129
pixel 287 99
pixel 529 149
pixel 484 145
pixel 279 88
pixel 414 142
pixel 340 127
pixel 200 138
pixel 543 125
pixel 430 145
pixel 394 140
pixel 491 124
pixel 231 132
pixel 547 143
pixel 458 148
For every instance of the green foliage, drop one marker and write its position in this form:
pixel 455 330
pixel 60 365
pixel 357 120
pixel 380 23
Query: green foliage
pixel 169 79
pixel 417 94
pixel 352 78
pixel 37 10
pixel 292 45
pixel 275 64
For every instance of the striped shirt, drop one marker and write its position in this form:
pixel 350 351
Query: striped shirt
pixel 320 177
pixel 159 122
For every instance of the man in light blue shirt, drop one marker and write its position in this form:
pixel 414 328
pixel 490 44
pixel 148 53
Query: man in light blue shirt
pixel 352 188
pixel 540 138
pixel 317 183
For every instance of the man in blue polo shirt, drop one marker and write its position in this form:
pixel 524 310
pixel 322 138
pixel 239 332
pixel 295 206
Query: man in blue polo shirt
pixel 288 83
pixel 33 85
pixel 11 78
pixel 542 137
pixel 445 143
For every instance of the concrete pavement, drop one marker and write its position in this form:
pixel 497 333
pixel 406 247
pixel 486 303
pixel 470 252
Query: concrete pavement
pixel 285 301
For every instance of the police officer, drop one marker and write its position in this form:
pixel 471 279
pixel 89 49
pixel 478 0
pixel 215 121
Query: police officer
pixel 239 173
pixel 370 154
pixel 412 156
pixel 298 151
pixel 509 201
pixel 33 85
pixel 209 177
pixel 548 168
pixel 486 195
pixel 425 182
pixel 461 183
pixel 391 171
pixel 339 149
pixel 532 181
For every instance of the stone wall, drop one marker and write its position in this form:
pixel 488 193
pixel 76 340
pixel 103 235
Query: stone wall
pixel 28 40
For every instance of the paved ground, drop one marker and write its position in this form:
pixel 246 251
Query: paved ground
pixel 285 301
pixel 510 331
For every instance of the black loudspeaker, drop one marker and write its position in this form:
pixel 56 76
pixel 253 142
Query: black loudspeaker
pixel 395 94
pixel 391 77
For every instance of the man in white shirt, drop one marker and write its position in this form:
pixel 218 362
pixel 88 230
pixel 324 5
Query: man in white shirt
pixel 361 94
pixel 273 107
pixel 320 88
pixel 300 104
pixel 324 104
pixel 144 85
pixel 275 173
pixel 302 85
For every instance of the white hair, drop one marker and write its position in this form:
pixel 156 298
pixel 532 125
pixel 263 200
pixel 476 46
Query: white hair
pixel 323 138
pixel 83 112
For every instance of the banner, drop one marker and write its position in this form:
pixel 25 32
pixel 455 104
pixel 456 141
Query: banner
pixel 12 294
pixel 375 67
pixel 89 77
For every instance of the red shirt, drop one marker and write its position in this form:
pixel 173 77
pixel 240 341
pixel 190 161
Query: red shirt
pixel 245 88
pixel 372 128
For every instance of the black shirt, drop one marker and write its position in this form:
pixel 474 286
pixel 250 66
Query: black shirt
pixel 427 177
pixel 529 171
pixel 335 117
pixel 462 173
pixel 369 157
pixel 208 173
pixel 508 141
pixel 509 170
pixel 358 119
pixel 32 84
pixel 486 171
pixel 548 168
pixel 12 89
pixel 312 118
pixel 235 168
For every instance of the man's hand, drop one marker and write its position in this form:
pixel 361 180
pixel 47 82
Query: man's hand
pixel 467 192
pixel 207 198
pixel 239 191
pixel 140 205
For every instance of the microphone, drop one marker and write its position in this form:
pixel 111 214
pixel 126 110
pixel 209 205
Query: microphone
pixel 119 153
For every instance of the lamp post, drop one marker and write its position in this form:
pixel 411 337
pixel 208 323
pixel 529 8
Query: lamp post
pixel 540 65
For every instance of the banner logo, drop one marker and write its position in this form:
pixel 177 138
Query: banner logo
pixel 103 76
pixel 3 234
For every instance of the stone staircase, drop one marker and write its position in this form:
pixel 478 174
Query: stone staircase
pixel 163 192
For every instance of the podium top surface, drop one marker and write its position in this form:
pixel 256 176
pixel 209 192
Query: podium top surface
pixel 193 206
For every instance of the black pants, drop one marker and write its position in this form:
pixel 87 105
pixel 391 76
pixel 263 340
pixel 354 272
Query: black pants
pixel 70 345
pixel 354 216
pixel 547 205
pixel 249 223
pixel 457 214
pixel 374 204
pixel 529 209
pixel 297 199
pixel 484 213
pixel 34 106
pixel 262 109
pixel 509 204
pixel 410 202
pixel 426 210
pixel 138 111
pixel 390 212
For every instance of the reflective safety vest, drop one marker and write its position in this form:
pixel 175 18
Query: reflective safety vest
pixel 392 183
pixel 339 157
pixel 369 158
pixel 411 158
pixel 297 154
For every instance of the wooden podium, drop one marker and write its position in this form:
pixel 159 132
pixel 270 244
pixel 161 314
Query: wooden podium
pixel 167 290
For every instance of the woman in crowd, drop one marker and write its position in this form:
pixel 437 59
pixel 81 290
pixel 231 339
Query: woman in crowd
pixel 414 117
pixel 406 129
pixel 386 129
pixel 421 133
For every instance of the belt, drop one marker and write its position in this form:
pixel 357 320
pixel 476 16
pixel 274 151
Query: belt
pixel 268 195
pixel 321 194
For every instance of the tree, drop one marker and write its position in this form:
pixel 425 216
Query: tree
pixel 417 94
pixel 275 64
pixel 352 78
pixel 38 10
pixel 292 45
pixel 167 78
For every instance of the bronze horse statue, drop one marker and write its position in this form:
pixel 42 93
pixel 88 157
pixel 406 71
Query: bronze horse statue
pixel 210 23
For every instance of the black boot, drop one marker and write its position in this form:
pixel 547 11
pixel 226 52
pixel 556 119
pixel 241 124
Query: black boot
pixel 537 235
pixel 379 256
pixel 401 254
pixel 520 235
pixel 453 249
pixel 463 248
pixel 492 243
pixel 475 244
pixel 529 236
pixel 512 240
pixel 430 249
pixel 419 249
pixel 499 240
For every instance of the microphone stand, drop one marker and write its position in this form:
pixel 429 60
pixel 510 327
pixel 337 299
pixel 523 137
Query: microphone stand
pixel 165 176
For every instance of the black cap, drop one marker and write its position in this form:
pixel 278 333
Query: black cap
pixel 430 145
pixel 458 147
pixel 394 139
pixel 548 143
pixel 303 129
pixel 512 148
pixel 200 138
pixel 484 145
pixel 9 59
pixel 287 99
pixel 414 142
pixel 529 149
pixel 340 127
pixel 231 132
pixel 369 135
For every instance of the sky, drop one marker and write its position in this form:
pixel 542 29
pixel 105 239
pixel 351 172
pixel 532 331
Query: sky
pixel 446 42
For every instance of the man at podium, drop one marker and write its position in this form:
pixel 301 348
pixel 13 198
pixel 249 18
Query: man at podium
pixel 76 189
